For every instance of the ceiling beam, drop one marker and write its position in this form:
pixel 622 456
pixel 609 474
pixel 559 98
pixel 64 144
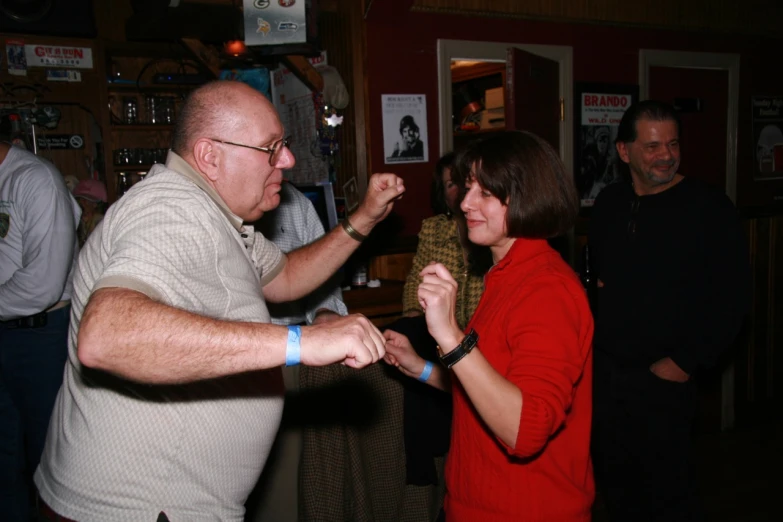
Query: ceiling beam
pixel 305 71
pixel 207 55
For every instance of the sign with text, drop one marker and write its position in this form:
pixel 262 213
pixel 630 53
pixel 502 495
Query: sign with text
pixel 599 109
pixel 60 141
pixel 604 109
pixel 58 56
pixel 405 128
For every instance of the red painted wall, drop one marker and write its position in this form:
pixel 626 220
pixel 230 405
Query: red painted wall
pixel 402 59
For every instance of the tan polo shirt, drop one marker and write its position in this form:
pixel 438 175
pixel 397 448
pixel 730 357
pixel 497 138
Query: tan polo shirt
pixel 118 450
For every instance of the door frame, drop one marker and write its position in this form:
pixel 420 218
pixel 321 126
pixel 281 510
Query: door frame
pixel 692 60
pixel 449 50
pixel 726 62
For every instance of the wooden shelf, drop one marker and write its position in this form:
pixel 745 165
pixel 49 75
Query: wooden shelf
pixel 166 49
pixel 381 305
pixel 156 88
pixel 141 127
pixel 140 61
pixel 132 168
pixel 478 70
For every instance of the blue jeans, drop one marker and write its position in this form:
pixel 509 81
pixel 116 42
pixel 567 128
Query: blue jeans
pixel 31 372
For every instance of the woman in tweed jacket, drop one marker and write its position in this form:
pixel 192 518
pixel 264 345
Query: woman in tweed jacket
pixel 441 239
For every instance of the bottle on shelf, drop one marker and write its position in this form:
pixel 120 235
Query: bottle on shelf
pixel 359 277
pixel 588 278
pixel 17 135
pixel 124 184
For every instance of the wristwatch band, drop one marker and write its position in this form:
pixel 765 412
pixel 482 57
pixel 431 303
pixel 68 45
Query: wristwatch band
pixel 462 349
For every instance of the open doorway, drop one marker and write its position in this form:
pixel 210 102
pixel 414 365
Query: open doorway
pixel 495 53
pixel 487 71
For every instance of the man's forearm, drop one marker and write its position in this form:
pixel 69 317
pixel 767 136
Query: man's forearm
pixel 128 334
pixel 310 266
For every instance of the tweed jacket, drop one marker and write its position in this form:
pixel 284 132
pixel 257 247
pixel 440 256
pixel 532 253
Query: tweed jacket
pixel 439 241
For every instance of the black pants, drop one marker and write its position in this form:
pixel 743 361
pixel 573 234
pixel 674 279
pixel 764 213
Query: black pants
pixel 641 444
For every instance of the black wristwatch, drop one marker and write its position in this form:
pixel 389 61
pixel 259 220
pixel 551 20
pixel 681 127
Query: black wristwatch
pixel 462 349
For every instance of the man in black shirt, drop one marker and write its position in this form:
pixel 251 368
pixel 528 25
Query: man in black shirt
pixel 674 286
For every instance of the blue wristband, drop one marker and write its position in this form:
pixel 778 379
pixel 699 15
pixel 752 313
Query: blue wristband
pixel 425 373
pixel 293 353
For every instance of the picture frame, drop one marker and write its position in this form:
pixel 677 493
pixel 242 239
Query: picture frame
pixel 767 122
pixel 598 108
pixel 351 195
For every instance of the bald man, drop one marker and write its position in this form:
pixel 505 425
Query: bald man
pixel 173 390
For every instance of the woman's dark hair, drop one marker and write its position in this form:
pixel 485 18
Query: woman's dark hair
pixel 525 172
pixel 438 189
pixel 647 110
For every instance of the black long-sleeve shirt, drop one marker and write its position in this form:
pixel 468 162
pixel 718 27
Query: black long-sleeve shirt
pixel 675 271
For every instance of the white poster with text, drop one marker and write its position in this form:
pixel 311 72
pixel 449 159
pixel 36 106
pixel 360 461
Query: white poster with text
pixel 404 128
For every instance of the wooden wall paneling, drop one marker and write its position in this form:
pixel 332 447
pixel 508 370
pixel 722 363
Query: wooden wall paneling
pixel 774 347
pixel 391 266
pixel 745 365
pixel 758 361
pixel 741 16
pixel 78 102
pixel 110 17
pixel 342 36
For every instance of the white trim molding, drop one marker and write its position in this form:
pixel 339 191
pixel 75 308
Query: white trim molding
pixel 691 60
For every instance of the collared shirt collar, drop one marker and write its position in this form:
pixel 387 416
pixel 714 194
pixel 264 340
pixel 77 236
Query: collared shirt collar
pixel 175 162
pixel 521 250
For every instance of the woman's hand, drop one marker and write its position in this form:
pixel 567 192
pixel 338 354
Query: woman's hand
pixel 400 353
pixel 437 295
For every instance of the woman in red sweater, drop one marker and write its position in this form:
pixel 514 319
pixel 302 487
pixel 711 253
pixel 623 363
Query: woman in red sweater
pixel 521 379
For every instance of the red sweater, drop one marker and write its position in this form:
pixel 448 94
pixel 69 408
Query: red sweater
pixel 535 329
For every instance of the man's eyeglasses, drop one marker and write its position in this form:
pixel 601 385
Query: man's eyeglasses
pixel 632 220
pixel 274 151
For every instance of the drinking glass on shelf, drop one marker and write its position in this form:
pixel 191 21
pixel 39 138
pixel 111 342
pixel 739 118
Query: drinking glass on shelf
pixel 124 184
pixel 122 157
pixel 166 109
pixel 130 109
pixel 152 106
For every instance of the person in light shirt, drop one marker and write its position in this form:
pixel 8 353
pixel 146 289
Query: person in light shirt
pixel 38 247
pixel 173 391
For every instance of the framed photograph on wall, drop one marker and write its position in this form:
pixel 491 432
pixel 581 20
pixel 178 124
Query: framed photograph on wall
pixel 404 128
pixel 767 137
pixel 597 113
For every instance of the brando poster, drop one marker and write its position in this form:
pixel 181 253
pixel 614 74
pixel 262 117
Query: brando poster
pixel 599 115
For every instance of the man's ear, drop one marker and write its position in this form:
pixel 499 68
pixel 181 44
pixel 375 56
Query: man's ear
pixel 207 158
pixel 622 151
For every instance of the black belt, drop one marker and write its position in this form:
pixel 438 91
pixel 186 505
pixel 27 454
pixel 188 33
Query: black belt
pixel 31 321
